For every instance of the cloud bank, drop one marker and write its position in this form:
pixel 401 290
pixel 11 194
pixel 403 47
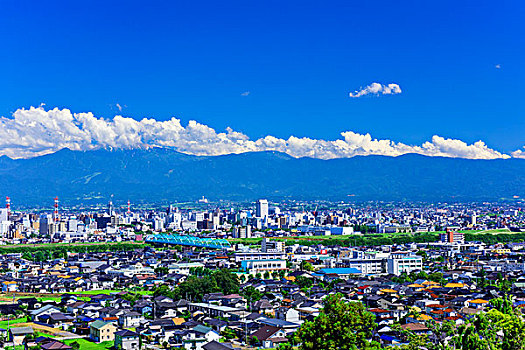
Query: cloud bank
pixel 377 89
pixel 36 131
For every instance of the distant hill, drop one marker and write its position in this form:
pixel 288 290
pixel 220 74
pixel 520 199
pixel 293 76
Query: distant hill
pixel 166 175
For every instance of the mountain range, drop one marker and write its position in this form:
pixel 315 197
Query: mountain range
pixel 160 175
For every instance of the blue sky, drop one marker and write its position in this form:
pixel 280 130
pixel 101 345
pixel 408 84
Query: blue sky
pixel 297 59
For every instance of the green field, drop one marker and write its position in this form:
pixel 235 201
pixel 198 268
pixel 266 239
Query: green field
pixel 12 323
pixel 41 334
pixel 296 238
pixel 111 291
pixel 499 230
pixel 377 239
pixel 88 345
pixel 57 299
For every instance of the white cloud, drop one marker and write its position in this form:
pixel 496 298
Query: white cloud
pixel 119 107
pixel 377 89
pixel 498 66
pixel 36 131
pixel 519 153
pixel 246 93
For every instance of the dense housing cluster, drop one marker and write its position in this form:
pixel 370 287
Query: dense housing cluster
pixel 212 278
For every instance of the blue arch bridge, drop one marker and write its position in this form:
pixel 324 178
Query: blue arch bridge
pixel 188 241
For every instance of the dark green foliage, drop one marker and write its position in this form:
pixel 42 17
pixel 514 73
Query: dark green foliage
pixel 162 270
pixel 252 295
pixel 194 288
pixel 53 251
pixel 304 282
pixel 228 333
pixel 340 326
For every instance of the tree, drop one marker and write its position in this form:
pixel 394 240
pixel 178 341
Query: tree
pixel 306 266
pixel 253 340
pixel 440 334
pixel 304 282
pixel 228 333
pixel 131 297
pixel 501 328
pixel 40 256
pixel 252 295
pixel 227 281
pixel 195 288
pixel 340 325
pixel 162 270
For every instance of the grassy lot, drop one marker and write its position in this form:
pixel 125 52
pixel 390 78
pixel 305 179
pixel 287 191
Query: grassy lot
pixel 499 230
pixel 57 299
pixel 83 296
pixel 42 334
pixel 12 323
pixel 89 345
pixel 96 292
pixel 336 238
pixel 296 238
pixel 46 330
pixel 80 244
pixel 111 291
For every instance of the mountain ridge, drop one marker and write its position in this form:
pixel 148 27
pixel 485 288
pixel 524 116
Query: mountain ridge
pixel 162 174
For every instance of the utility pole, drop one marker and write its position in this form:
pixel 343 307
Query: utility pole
pixel 245 331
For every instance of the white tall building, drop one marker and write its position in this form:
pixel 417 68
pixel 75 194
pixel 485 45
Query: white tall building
pixel 261 210
pixel 72 224
pixel 3 214
pixel 4 222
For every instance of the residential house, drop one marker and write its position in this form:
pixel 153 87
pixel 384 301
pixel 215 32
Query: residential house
pixel 100 331
pixel 126 340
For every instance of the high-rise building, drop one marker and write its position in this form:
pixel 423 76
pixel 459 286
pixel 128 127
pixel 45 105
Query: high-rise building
pixel 72 224
pixel 261 210
pixel 3 214
pixel 111 209
pixel 451 236
pixel 46 223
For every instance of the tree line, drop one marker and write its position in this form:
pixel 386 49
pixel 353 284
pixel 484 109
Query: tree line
pixel 422 237
pixel 55 251
pixel 195 287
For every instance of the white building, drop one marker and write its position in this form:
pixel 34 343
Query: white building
pixel 367 266
pixel 261 210
pixel 3 214
pixel 255 266
pixel 397 264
